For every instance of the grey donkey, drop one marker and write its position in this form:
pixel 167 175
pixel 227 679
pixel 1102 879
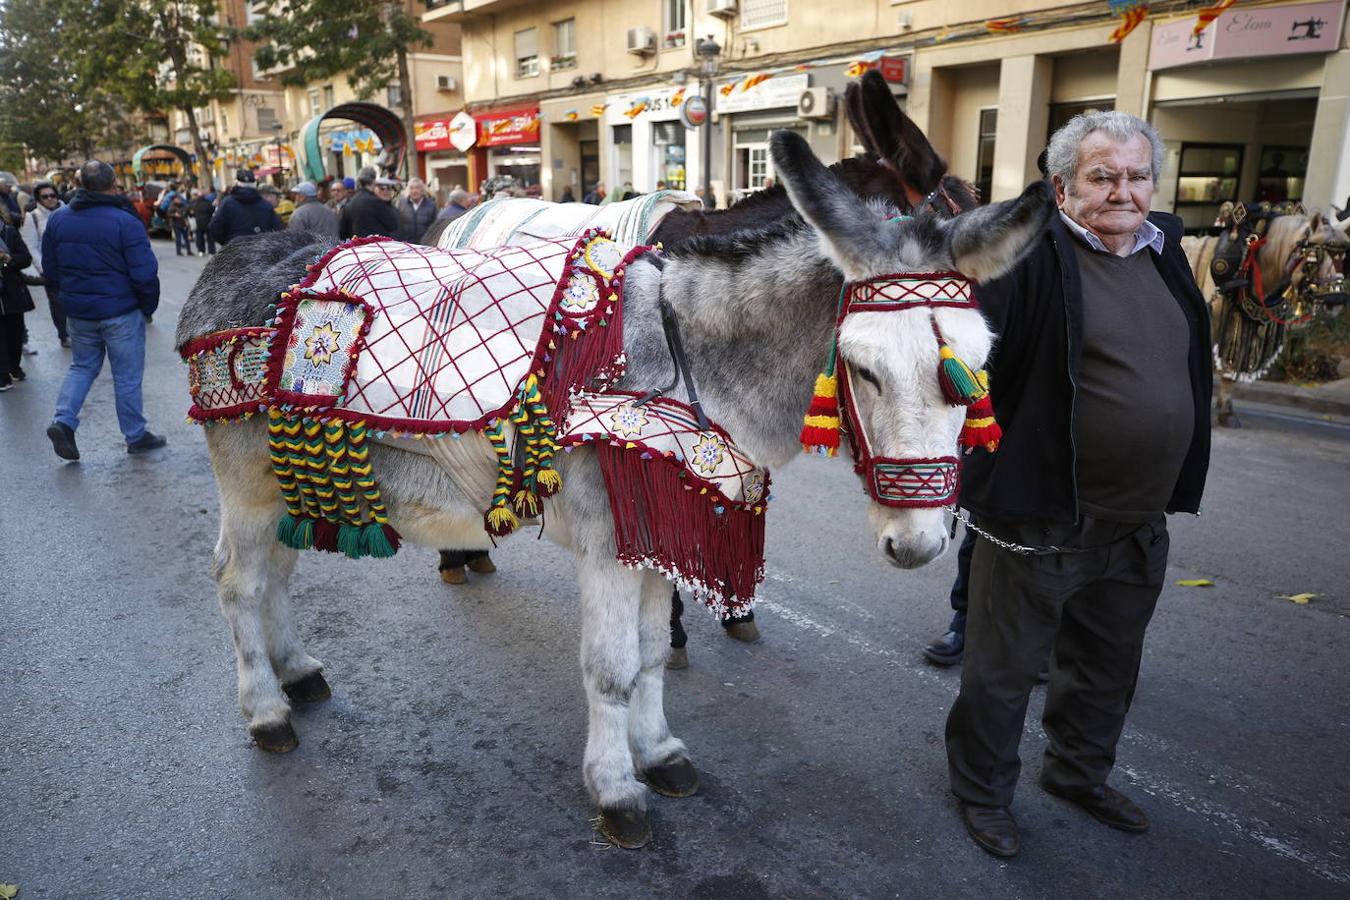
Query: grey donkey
pixel 757 314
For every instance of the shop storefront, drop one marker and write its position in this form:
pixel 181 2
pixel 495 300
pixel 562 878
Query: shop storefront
pixel 1238 106
pixel 441 165
pixel 511 141
pixel 650 148
pixel 571 144
pixel 749 112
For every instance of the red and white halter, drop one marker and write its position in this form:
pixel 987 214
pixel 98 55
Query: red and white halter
pixel 914 482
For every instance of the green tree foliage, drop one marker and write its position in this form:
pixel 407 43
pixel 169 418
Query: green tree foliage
pixel 155 55
pixel 367 40
pixel 45 106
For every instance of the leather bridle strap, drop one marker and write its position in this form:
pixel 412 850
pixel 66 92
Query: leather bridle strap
pixel 671 326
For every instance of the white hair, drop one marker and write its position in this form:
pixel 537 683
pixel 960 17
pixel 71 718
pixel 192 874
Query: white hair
pixel 1061 157
pixel 418 182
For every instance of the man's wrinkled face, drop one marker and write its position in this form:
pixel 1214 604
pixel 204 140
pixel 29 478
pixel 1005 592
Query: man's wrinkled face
pixel 1112 191
pixel 416 192
pixel 339 192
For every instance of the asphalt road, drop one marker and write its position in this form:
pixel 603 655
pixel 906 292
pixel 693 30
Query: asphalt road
pixel 448 761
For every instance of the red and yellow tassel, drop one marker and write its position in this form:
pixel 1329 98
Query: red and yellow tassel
pixel 981 428
pixel 820 428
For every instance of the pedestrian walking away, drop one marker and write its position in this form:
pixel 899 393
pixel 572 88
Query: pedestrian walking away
pixel 202 208
pixel 14 302
pixel 416 211
pixel 1101 380
pixel 312 216
pixel 243 211
pixel 366 213
pixel 47 201
pixel 97 255
pixel 177 214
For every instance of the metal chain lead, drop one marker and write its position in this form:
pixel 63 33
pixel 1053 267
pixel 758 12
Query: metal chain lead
pixel 963 517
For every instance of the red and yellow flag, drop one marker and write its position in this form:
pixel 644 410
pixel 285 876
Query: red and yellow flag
pixel 570 115
pixel 1010 25
pixel 598 109
pixel 726 89
pixel 678 97
pixel 858 69
pixel 753 80
pixel 1209 14
pixel 1129 22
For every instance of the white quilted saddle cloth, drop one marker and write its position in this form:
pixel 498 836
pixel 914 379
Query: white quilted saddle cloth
pixel 416 339
pixel 514 220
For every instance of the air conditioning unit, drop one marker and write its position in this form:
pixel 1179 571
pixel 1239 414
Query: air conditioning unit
pixel 816 103
pixel 447 83
pixel 641 40
pixel 723 9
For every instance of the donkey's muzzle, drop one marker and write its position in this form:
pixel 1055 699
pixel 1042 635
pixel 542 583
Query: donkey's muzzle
pixel 914 553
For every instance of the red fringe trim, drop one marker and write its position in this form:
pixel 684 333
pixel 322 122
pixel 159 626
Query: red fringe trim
pixel 661 522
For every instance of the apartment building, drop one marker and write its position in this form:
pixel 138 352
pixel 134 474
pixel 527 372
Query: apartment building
pixel 567 94
pixel 275 129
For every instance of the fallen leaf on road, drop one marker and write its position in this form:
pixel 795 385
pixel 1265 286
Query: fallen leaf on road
pixel 1195 582
pixel 8 891
pixel 1300 599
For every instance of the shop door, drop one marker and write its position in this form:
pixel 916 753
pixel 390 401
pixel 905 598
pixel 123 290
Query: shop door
pixel 590 166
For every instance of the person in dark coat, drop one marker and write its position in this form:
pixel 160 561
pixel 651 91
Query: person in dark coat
pixel 202 209
pixel 456 205
pixel 364 213
pixel 1101 380
pixel 416 211
pixel 177 214
pixel 97 255
pixel 243 212
pixel 15 300
pixel 567 196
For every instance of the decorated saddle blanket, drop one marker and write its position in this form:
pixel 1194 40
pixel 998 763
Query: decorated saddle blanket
pixel 514 220
pixel 686 502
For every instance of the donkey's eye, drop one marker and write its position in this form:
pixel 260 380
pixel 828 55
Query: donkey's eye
pixel 867 376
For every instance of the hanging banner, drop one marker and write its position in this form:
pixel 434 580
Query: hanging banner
pixel 777 92
pixel 1132 14
pixel 659 105
pixel 497 129
pixel 1243 32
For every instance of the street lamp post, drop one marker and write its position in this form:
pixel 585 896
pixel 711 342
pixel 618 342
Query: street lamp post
pixel 707 51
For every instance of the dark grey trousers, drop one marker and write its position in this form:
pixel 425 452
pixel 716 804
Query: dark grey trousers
pixel 1091 609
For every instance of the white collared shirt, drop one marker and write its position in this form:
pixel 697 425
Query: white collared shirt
pixel 1148 235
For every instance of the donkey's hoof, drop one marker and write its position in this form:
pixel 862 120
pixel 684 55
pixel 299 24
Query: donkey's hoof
pixel 676 778
pixel 743 631
pixel 678 659
pixel 278 737
pixel 310 689
pixel 483 565
pixel 454 576
pixel 626 828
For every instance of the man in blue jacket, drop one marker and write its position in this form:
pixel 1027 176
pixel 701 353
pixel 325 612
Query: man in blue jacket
pixel 243 212
pixel 96 254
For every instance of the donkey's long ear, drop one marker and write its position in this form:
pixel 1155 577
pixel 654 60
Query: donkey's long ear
pixel 857 117
pixel 895 137
pixel 987 242
pixel 848 228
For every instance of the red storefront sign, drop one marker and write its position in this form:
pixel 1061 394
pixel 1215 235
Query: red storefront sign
pixel 432 135
pixel 895 69
pixel 518 126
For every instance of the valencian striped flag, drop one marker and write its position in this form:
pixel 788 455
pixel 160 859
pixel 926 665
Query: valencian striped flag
pixel 756 79
pixel 1132 13
pixel 1209 14
pixel 1010 25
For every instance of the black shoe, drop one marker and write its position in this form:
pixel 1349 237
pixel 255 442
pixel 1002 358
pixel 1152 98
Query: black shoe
pixel 6 385
pixel 145 442
pixel 993 828
pixel 1044 674
pixel 1106 804
pixel 63 441
pixel 947 650
pixel 65 342
pixel 18 375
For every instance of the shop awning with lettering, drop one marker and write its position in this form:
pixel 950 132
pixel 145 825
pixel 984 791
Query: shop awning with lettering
pixel 1243 32
pixel 512 126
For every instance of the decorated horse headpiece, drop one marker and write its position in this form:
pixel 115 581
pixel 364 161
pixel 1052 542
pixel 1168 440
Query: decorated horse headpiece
pixel 909 482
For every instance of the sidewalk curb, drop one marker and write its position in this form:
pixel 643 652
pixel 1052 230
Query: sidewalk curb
pixel 1332 398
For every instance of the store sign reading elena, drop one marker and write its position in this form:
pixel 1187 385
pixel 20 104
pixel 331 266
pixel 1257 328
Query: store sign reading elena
pixel 1242 32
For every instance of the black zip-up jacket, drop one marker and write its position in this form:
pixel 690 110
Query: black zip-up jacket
pixel 243 212
pixel 1037 312
pixel 365 214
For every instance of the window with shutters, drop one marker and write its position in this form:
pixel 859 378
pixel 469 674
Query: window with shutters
pixel 564 45
pixel 674 22
pixel 527 53
pixel 763 13
pixel 313 101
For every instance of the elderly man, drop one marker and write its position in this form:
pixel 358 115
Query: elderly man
pixel 1101 380
pixel 456 204
pixel 416 211
pixel 365 212
pixel 311 215
pixel 97 256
